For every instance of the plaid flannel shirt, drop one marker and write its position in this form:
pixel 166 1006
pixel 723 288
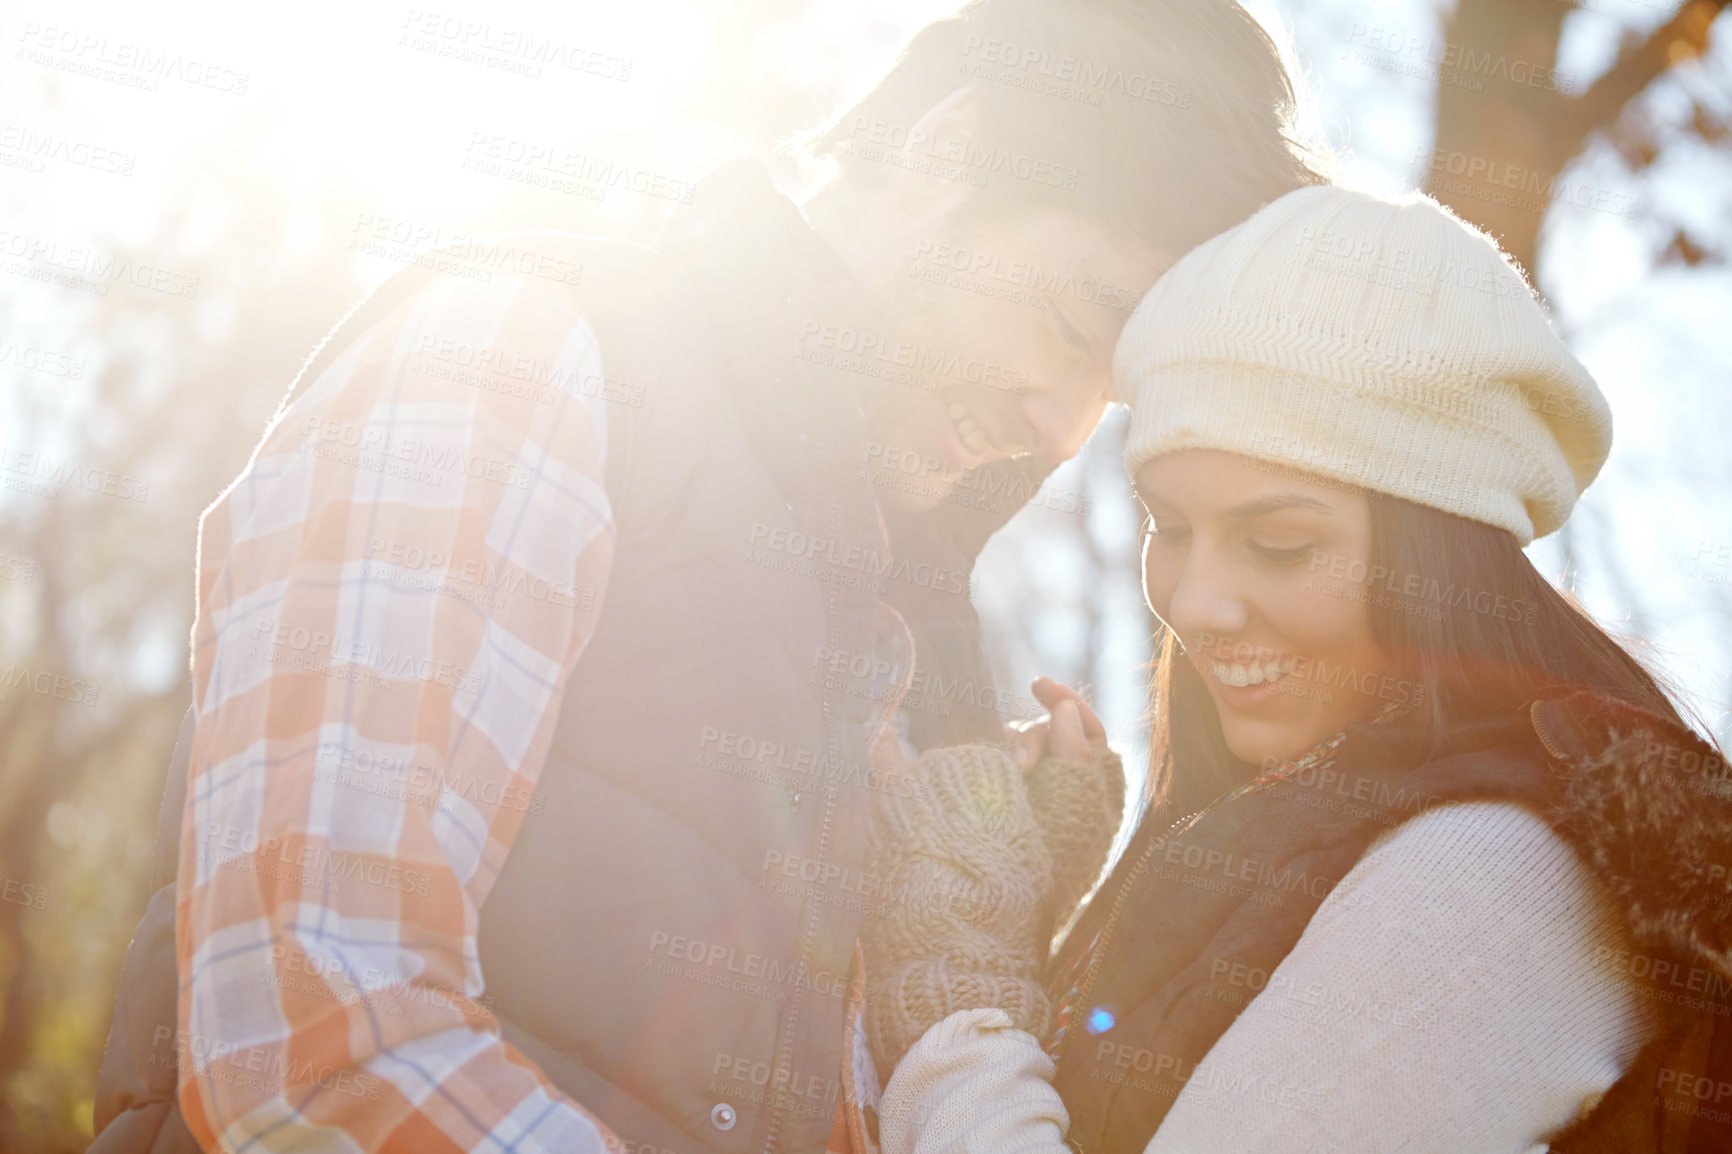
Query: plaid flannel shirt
pixel 390 598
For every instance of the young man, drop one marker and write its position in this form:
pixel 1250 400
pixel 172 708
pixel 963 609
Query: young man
pixel 541 645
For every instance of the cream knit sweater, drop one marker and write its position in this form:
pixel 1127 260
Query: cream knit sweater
pixel 1458 992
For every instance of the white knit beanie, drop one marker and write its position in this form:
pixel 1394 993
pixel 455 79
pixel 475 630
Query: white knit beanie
pixel 1381 343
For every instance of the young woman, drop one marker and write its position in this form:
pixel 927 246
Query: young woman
pixel 1428 861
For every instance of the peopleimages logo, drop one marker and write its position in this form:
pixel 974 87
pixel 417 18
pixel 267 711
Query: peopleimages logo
pixel 22 893
pixel 1500 182
pixel 1311 677
pixel 937 478
pixel 1312 999
pixel 1712 562
pixel 36 149
pixel 316 862
pixel 877 678
pixel 1063 76
pixel 85 269
pixel 75 690
pixel 1164 1075
pixel 974 163
pixel 296 646
pixel 505 48
pixel 736 1078
pixel 417 782
pixel 1699 1087
pixel 978 265
pixel 1458 65
pixel 923 362
pixel 34 472
pixel 1669 979
pixel 41 360
pixel 546 164
pixel 121 61
pixel 380 449
pixel 867 563
pixel 1402 267
pixel 265 1068
pixel 371 984
pixel 790 767
pixel 409 566
pixel 1417 594
pixel 463 254
pixel 19 569
pixel 512 374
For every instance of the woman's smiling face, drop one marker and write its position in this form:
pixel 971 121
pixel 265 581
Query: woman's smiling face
pixel 1237 560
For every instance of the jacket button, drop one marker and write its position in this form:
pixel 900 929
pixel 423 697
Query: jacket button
pixel 722 1116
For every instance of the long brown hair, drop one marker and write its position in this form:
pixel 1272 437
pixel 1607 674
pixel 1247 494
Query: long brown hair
pixel 1465 615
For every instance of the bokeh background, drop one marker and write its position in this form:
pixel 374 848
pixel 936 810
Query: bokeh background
pixel 190 195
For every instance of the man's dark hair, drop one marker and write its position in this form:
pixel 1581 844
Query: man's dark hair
pixel 1171 119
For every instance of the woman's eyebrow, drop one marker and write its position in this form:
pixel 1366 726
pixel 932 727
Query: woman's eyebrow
pixel 1277 502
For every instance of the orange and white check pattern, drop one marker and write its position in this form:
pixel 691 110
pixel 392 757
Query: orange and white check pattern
pixel 390 598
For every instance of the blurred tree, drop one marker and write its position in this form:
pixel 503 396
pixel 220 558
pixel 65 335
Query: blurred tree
pixel 1534 138
pixel 1522 135
pixel 177 394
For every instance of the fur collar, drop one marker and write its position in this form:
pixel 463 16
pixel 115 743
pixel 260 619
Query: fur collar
pixel 1649 804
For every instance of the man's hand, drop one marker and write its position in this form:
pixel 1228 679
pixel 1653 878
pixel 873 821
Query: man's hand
pixel 1070 730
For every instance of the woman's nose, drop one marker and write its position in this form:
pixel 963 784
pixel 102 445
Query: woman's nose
pixel 1204 604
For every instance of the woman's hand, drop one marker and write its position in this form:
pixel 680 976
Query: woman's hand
pixel 1010 836
pixel 1076 788
pixel 1070 729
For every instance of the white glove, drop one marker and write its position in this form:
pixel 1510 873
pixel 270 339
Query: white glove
pixel 973 1084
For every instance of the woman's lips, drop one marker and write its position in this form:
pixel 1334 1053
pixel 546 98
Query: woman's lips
pixel 1245 685
pixel 1239 674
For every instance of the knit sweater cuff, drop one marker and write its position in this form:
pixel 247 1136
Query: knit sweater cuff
pixel 963 875
pixel 1078 806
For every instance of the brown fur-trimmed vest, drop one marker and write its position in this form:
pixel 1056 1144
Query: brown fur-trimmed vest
pixel 1646 804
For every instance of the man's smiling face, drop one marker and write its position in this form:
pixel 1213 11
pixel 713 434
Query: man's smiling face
pixel 1018 319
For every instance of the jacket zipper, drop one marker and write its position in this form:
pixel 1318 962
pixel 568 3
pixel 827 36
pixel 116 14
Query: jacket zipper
pixel 1090 975
pixel 832 506
pixel 832 746
pixel 1086 985
pixel 790 1026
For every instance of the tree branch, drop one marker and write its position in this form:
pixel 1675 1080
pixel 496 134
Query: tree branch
pixel 1683 36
